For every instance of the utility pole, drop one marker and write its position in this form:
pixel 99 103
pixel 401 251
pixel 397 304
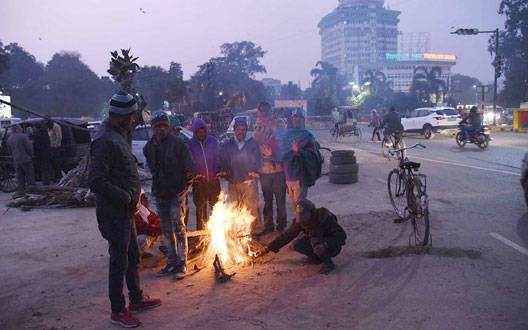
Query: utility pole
pixel 497 63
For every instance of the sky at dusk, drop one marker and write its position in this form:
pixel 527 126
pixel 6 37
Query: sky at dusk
pixel 191 31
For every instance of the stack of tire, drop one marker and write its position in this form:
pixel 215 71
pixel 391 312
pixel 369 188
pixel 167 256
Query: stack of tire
pixel 343 167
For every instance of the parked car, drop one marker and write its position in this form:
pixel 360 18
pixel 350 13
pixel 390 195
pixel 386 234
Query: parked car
pixel 428 121
pixel 143 133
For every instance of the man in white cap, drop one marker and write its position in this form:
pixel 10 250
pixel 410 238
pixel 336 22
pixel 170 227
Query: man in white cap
pixel 114 179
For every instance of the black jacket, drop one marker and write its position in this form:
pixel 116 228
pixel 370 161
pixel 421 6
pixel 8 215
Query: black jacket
pixel 238 163
pixel 323 224
pixel 392 121
pixel 474 119
pixel 171 165
pixel 113 175
pixel 41 145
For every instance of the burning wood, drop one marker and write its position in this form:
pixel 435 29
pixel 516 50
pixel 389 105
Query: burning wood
pixel 220 274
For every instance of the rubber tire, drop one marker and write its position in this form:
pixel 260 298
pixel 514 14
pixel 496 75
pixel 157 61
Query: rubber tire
pixel 342 178
pixel 416 185
pixel 343 153
pixel 483 145
pixel 428 132
pixel 344 169
pixel 400 211
pixel 460 139
pixel 342 160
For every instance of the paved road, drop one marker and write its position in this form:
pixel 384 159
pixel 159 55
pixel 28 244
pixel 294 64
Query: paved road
pixel 478 217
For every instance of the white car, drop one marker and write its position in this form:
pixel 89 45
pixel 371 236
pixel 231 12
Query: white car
pixel 428 121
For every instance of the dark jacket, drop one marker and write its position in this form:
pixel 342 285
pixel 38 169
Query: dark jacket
pixel 323 224
pixel 20 148
pixel 41 145
pixel 113 175
pixel 473 119
pixel 205 155
pixel 392 122
pixel 171 165
pixel 238 163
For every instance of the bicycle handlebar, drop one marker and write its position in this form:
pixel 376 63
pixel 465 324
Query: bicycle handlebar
pixel 392 151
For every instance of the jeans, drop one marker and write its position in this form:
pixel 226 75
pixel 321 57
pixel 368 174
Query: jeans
pixel 25 174
pixel 468 131
pixel 124 260
pixel 316 247
pixel 274 184
pixel 376 132
pixel 204 193
pixel 296 191
pixel 246 194
pixel 172 215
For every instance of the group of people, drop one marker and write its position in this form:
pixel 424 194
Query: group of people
pixel 283 160
pixel 38 150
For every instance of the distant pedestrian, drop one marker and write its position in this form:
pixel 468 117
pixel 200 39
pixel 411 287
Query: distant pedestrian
pixel 172 168
pixel 114 179
pixel 240 163
pixel 206 187
pixel 42 151
pixel 272 179
pixel 55 136
pixel 375 123
pixel 21 149
pixel 302 161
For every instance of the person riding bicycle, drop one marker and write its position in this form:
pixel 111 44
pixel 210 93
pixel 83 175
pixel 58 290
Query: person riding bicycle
pixel 472 123
pixel 392 124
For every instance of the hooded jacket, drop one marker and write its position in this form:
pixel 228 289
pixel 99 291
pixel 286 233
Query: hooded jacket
pixel 265 135
pixel 205 154
pixel 323 224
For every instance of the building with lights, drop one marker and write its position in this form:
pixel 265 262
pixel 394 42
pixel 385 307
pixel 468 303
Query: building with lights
pixel 356 36
pixel 399 67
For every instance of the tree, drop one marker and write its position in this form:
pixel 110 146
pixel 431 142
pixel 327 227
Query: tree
pixel 23 67
pixel 513 48
pixel 426 83
pixel 153 84
pixel 290 91
pixel 462 89
pixel 4 66
pixel 178 93
pixel 123 69
pixel 327 89
pixel 246 55
pixel 376 81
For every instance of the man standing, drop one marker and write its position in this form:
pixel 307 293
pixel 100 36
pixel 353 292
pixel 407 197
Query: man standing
pixel 21 149
pixel 206 187
pixel 302 161
pixel 272 180
pixel 55 136
pixel 375 123
pixel 172 168
pixel 114 179
pixel 41 146
pixel 322 237
pixel 240 162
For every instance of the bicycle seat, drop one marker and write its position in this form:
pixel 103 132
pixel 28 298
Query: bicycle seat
pixel 409 164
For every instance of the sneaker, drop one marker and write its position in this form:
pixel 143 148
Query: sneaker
pixel 180 272
pixel 125 319
pixel 169 269
pixel 327 267
pixel 146 303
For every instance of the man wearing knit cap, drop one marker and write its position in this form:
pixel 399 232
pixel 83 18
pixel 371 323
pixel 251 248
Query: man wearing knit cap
pixel 114 179
pixel 322 237
pixel 240 163
pixel 172 168
pixel 206 187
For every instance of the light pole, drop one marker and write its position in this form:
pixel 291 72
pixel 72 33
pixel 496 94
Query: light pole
pixel 497 62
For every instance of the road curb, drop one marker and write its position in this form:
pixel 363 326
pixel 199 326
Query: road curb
pixel 508 129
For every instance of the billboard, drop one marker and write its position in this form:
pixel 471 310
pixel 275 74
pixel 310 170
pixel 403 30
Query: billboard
pixel 5 110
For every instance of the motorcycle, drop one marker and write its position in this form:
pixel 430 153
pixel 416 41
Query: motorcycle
pixel 481 137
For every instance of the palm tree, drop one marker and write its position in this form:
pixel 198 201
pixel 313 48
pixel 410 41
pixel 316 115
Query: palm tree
pixel 325 76
pixel 374 80
pixel 428 82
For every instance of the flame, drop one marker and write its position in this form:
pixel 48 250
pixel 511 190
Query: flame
pixel 229 228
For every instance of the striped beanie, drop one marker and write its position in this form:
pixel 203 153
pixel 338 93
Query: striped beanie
pixel 159 118
pixel 122 103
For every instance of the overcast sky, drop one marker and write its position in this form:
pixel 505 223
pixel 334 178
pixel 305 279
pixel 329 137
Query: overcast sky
pixel 191 31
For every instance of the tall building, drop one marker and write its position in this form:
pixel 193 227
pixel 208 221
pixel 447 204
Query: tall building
pixel 356 36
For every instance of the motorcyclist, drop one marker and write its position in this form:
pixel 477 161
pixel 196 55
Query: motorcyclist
pixel 472 123
pixel 392 124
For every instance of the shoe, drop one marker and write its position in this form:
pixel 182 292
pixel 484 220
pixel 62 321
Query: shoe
pixel 327 267
pixel 146 303
pixel 180 272
pixel 169 269
pixel 125 319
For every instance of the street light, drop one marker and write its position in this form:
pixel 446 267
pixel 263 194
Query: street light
pixel 497 62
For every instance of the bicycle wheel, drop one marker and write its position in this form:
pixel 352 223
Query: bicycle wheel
pixel 326 153
pixel 400 144
pixel 397 192
pixel 385 146
pixel 419 211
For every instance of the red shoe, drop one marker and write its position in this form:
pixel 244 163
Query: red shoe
pixel 125 319
pixel 146 303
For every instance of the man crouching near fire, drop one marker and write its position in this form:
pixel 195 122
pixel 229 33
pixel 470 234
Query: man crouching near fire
pixel 321 239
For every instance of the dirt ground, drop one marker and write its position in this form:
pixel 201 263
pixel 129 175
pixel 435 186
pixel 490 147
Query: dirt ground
pixel 53 273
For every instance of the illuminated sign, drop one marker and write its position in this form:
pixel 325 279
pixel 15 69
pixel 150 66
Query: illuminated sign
pixel 426 56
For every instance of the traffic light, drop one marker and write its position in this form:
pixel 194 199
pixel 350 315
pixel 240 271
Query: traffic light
pixel 497 63
pixel 466 31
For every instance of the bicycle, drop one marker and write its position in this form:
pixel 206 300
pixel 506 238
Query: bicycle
pixel 408 196
pixel 394 140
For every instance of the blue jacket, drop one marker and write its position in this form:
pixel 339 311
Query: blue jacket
pixel 238 163
pixel 205 155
